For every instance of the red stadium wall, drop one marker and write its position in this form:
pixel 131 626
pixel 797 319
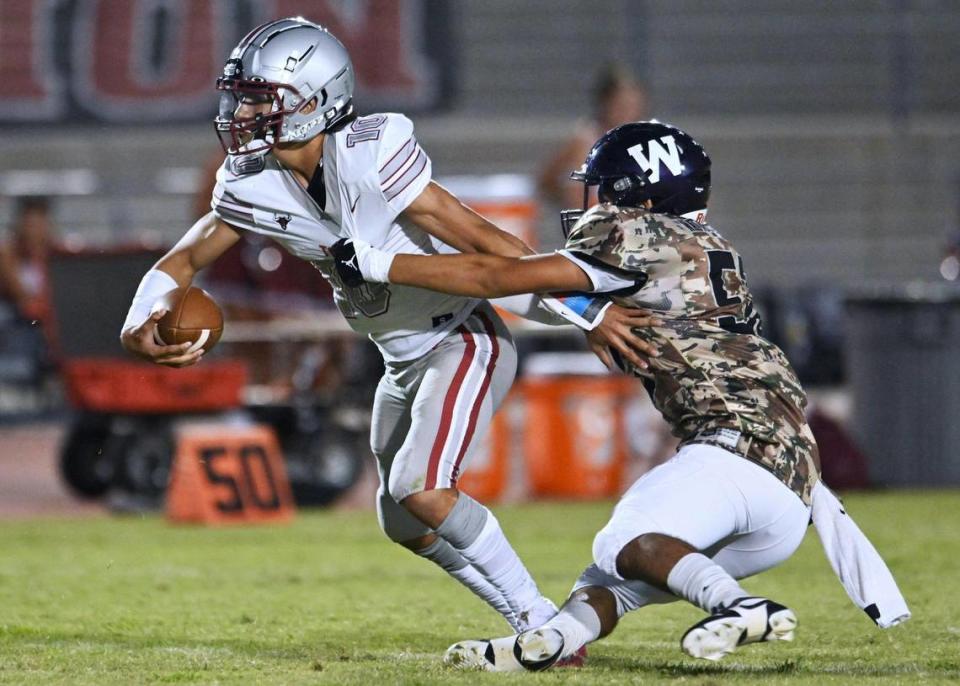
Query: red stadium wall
pixel 137 61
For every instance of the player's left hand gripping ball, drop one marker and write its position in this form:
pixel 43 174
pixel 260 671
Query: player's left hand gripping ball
pixel 193 316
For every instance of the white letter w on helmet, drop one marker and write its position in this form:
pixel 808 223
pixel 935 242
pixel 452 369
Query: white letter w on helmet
pixel 668 155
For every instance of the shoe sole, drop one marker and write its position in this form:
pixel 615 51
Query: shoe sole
pixel 721 637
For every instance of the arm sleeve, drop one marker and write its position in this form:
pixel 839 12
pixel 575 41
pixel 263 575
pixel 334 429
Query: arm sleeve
pixel 583 311
pixel 404 169
pixel 603 280
pixel 530 306
pixel 580 309
pixel 155 283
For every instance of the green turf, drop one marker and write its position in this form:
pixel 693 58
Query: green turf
pixel 328 600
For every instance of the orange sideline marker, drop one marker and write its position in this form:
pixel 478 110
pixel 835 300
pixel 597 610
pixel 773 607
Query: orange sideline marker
pixel 223 474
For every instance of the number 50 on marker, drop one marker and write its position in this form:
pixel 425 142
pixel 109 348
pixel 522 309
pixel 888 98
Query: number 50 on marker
pixel 223 474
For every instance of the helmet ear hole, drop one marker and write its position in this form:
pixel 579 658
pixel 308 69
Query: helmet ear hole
pixel 622 184
pixel 625 190
pixel 605 192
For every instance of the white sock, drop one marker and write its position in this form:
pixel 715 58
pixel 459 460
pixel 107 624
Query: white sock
pixel 704 583
pixel 491 554
pixel 577 622
pixel 447 558
pixel 483 589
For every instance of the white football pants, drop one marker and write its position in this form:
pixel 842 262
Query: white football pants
pixel 429 414
pixel 722 504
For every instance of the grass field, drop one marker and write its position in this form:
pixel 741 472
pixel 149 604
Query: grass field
pixel 328 600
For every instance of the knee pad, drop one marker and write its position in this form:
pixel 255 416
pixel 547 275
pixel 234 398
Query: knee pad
pixel 398 524
pixel 398 487
pixel 405 477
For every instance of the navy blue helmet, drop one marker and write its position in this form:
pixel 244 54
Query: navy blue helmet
pixel 646 160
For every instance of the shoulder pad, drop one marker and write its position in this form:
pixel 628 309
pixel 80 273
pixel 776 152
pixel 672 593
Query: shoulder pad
pixel 397 132
pixel 360 146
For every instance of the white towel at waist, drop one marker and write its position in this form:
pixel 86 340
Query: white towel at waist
pixel 856 562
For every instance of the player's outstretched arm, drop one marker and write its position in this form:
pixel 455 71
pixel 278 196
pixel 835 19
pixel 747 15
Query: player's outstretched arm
pixel 473 275
pixel 439 213
pixel 488 276
pixel 443 216
pixel 206 240
pixel 493 276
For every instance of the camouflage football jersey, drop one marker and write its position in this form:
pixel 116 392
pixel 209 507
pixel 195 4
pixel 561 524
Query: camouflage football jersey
pixel 717 380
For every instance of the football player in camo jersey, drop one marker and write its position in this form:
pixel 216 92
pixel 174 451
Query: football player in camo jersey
pixel 735 499
pixel 304 170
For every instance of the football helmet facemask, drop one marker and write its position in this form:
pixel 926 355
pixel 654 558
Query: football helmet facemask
pixel 278 69
pixel 641 161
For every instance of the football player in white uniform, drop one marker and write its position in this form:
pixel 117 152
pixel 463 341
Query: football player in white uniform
pixel 304 170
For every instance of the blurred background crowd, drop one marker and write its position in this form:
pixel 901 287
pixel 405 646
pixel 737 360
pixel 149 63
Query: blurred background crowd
pixel 834 130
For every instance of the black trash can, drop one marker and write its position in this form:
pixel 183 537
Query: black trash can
pixel 903 365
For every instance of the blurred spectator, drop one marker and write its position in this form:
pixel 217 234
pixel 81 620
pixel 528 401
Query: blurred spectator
pixel 26 327
pixel 23 260
pixel 616 97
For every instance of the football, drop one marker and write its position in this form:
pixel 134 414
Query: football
pixel 192 316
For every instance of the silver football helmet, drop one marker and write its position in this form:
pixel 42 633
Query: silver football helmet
pixel 284 64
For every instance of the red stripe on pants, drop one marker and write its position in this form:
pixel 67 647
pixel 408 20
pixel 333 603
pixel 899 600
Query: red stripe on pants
pixel 478 403
pixel 449 402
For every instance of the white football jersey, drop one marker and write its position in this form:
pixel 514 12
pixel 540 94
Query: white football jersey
pixel 373 169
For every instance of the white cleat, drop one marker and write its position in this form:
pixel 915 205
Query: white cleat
pixel 538 649
pixel 532 651
pixel 495 655
pixel 748 620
